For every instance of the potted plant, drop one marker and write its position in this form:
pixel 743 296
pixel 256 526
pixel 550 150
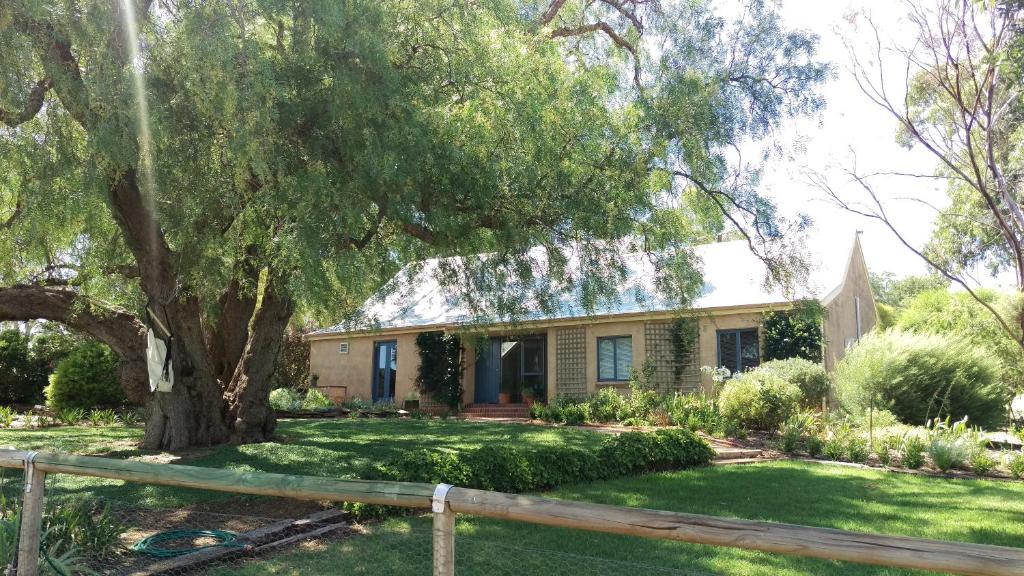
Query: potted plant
pixel 529 396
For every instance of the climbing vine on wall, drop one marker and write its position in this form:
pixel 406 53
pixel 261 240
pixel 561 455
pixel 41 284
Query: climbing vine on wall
pixel 794 333
pixel 440 372
pixel 684 343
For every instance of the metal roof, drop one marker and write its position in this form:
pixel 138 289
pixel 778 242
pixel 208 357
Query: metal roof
pixel 733 277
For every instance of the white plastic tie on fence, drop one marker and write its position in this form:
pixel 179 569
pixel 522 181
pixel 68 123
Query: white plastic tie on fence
pixel 30 468
pixel 440 497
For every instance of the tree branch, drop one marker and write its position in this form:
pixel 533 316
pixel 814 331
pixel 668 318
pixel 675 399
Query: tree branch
pixel 113 326
pixel 32 106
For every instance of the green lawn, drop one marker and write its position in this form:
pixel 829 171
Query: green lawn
pixel 803 493
pixel 817 495
pixel 337 448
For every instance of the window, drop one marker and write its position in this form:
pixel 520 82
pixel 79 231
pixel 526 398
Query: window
pixel 343 348
pixel 614 358
pixel 738 350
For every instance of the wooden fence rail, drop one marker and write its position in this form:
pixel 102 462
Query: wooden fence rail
pixel 894 551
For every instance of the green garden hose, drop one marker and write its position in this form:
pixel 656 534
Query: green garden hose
pixel 151 545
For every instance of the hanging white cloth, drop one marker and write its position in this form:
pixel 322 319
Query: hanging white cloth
pixel 161 373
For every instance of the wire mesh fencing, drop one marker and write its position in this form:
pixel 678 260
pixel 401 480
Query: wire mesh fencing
pixel 84 530
pixel 70 515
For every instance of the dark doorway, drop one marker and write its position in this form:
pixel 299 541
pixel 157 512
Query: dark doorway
pixel 385 369
pixel 507 366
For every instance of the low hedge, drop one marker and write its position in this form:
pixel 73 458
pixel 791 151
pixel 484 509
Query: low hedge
pixel 510 469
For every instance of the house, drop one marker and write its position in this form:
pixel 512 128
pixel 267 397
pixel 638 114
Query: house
pixel 574 353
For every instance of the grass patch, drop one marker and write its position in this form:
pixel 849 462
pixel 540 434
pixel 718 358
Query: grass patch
pixel 801 493
pixel 336 448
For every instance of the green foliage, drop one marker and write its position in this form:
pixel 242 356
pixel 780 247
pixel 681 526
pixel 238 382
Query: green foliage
pixel 815 445
pixel 478 131
pixel 958 315
pixel 316 400
pixel 510 469
pixel 912 448
pixel 285 400
pixel 810 377
pixel 834 448
pixel 440 368
pixel 84 525
pixel 608 405
pixel 1015 465
pixel 684 334
pixel 696 412
pixel 796 429
pixel 574 414
pixel 86 378
pixel 70 416
pixel 794 334
pixel 7 416
pixel 105 417
pixel 886 447
pixel 921 376
pixel 291 370
pixel 22 377
pixel 982 463
pixel 952 445
pixel 758 400
pixel 857 449
pixel 898 292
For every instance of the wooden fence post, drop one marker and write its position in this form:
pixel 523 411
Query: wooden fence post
pixel 444 532
pixel 31 520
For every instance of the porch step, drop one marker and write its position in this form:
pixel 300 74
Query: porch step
pixel 497 411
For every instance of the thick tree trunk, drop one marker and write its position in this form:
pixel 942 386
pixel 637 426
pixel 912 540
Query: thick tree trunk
pixel 113 326
pixel 191 413
pixel 247 398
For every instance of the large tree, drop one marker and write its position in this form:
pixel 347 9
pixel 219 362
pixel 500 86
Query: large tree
pixel 961 100
pixel 221 163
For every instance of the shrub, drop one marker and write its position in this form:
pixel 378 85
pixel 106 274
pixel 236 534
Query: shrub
pixel 440 369
pixel 509 469
pixel 814 445
pixel 497 467
pixel 758 400
pixel 22 378
pixel 575 414
pixel 87 379
pixel 810 377
pixel 795 429
pixel 356 403
pixel 912 449
pixel 694 411
pixel 291 370
pixel 538 411
pixel 857 449
pixel 921 376
pixel 1016 465
pixel 70 416
pixel 887 446
pixel 982 463
pixel 316 400
pixel 7 415
pixel 607 405
pixel 794 333
pixel 105 417
pixel 834 448
pixel 285 400
pixel 85 525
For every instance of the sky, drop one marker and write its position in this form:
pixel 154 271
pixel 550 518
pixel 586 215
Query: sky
pixel 852 127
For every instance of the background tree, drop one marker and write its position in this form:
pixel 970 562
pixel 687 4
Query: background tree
pixel 239 159
pixel 963 105
pixel 957 315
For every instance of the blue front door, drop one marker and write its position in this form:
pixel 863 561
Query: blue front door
pixel 385 368
pixel 488 372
